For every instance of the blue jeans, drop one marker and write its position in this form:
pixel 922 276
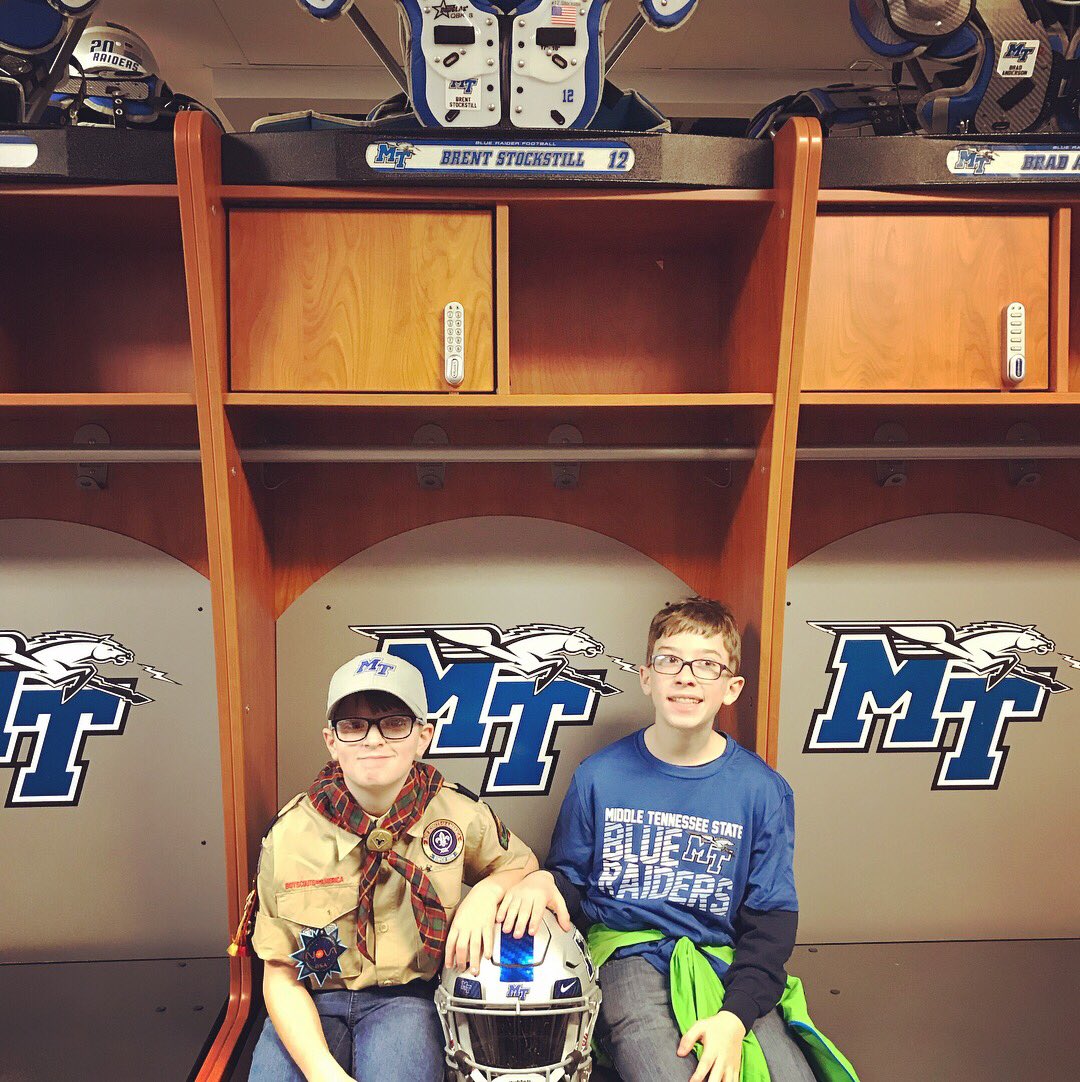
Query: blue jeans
pixel 377 1035
pixel 637 1029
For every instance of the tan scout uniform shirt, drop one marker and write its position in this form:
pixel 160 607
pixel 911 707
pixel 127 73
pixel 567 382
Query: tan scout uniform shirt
pixel 309 877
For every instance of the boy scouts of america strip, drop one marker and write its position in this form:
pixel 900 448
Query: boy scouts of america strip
pixel 331 798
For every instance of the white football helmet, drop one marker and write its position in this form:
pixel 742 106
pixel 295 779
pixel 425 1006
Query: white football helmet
pixel 529 1014
pixel 113 78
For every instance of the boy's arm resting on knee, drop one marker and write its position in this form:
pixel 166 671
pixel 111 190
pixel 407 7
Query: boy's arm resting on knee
pixel 764 940
pixel 296 1021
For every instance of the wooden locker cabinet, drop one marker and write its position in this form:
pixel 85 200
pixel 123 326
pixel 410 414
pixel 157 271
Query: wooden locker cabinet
pixel 674 329
pixel 903 301
pixel 352 299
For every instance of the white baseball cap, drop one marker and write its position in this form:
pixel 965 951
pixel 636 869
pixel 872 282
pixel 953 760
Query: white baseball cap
pixel 379 671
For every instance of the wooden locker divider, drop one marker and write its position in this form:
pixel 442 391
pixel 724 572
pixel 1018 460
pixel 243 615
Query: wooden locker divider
pixel 266 549
pixel 1060 288
pixel 1072 261
pixel 787 406
pixel 239 563
pixel 758 544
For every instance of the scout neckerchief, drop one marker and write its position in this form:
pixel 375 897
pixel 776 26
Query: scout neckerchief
pixel 332 799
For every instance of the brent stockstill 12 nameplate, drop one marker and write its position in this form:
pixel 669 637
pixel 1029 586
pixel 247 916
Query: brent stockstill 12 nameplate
pixel 563 158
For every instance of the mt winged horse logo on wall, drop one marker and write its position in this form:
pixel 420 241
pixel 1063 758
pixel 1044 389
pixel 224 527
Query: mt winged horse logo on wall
pixel 919 676
pixel 480 676
pixel 532 650
pixel 52 691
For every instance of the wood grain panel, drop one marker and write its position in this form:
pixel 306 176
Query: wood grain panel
pixel 1074 307
pixel 797 172
pixel 835 499
pixel 941 399
pixel 107 312
pixel 132 504
pixel 239 567
pixel 639 298
pixel 1060 294
pixel 914 301
pixel 253 194
pixel 854 423
pixel 352 300
pixel 52 421
pixel 502 298
pixel 327 401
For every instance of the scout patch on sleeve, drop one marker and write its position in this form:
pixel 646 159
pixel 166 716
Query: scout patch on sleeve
pixel 442 841
pixel 504 834
pixel 320 949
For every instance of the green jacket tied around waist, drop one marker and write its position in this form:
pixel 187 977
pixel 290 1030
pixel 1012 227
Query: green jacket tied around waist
pixel 697 992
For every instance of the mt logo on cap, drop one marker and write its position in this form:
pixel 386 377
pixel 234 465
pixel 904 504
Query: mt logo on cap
pixel 374 665
pixel 379 671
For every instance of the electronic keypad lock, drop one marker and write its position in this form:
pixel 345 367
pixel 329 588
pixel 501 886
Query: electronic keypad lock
pixel 454 343
pixel 1014 360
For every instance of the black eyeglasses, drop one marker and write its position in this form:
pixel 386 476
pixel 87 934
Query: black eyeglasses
pixel 702 667
pixel 390 726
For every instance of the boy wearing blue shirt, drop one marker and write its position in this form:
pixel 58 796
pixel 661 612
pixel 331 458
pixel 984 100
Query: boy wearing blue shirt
pixel 676 844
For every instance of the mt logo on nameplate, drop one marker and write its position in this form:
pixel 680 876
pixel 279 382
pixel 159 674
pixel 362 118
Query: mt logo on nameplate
pixel 1015 161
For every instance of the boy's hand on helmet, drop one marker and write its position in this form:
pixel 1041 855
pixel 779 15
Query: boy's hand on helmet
pixel 522 906
pixel 472 934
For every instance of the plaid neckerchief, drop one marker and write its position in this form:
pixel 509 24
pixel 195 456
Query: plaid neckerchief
pixel 332 799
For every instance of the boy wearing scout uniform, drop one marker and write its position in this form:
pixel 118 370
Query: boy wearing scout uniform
pixel 359 892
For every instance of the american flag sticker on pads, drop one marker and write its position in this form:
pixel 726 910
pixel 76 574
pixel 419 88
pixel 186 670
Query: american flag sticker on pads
pixel 564 14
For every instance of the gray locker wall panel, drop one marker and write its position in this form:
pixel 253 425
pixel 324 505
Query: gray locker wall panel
pixel 505 571
pixel 136 867
pixel 881 855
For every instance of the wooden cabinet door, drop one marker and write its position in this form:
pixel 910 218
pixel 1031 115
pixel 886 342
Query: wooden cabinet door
pixel 915 302
pixel 353 300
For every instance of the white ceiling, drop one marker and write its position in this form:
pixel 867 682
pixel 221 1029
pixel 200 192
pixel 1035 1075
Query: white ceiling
pixel 247 58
